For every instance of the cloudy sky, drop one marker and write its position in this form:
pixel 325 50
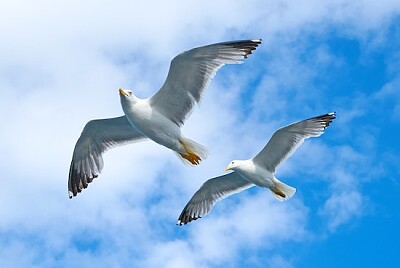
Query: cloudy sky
pixel 61 64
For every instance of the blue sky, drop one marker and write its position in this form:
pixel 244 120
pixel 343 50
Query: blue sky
pixel 61 65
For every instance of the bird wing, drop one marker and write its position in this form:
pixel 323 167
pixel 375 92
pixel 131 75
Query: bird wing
pixel 210 193
pixel 287 139
pixel 97 136
pixel 191 72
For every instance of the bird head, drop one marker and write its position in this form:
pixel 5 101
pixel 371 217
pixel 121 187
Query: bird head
pixel 232 165
pixel 126 95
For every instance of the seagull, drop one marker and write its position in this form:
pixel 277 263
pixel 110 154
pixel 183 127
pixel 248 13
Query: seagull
pixel 260 170
pixel 159 117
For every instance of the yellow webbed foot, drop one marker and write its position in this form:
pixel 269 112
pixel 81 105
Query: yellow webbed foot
pixel 190 156
pixel 279 192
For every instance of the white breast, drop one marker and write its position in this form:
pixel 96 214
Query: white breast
pixel 256 174
pixel 153 124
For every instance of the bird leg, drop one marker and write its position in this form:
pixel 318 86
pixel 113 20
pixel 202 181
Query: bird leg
pixel 278 191
pixel 194 159
pixel 190 156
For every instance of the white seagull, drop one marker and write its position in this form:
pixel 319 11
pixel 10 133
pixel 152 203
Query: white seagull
pixel 260 170
pixel 158 118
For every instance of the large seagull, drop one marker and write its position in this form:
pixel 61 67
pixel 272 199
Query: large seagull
pixel 260 170
pixel 158 118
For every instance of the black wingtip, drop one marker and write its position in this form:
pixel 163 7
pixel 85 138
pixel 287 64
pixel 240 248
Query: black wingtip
pixel 247 46
pixel 327 118
pixel 70 194
pixel 78 181
pixel 185 219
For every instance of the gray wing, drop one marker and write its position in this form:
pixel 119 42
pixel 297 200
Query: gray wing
pixel 190 74
pixel 286 140
pixel 210 193
pixel 97 136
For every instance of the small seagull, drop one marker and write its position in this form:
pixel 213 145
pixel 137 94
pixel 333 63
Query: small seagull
pixel 260 170
pixel 158 118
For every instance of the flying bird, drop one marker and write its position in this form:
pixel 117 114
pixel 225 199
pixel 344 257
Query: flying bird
pixel 159 117
pixel 260 170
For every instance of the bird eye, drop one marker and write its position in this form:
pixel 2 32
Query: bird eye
pixel 233 162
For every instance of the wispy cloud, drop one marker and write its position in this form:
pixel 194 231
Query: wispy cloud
pixel 341 208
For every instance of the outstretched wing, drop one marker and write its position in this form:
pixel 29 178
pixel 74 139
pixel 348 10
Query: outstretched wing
pixel 191 72
pixel 210 193
pixel 97 136
pixel 286 140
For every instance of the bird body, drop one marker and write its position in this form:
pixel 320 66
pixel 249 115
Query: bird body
pixel 252 173
pixel 261 177
pixel 150 122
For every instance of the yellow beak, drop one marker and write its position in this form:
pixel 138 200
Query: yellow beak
pixel 227 168
pixel 123 92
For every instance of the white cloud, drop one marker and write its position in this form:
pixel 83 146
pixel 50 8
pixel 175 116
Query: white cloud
pixel 340 208
pixel 279 261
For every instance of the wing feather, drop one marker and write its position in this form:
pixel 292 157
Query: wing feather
pixel 190 74
pixel 210 193
pixel 97 137
pixel 286 140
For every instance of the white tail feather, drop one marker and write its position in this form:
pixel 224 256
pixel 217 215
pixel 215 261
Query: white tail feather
pixel 281 187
